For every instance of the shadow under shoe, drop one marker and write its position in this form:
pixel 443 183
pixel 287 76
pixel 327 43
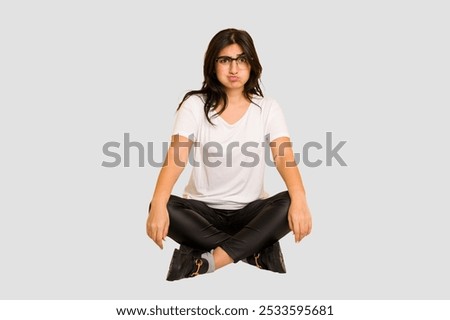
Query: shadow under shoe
pixel 186 265
pixel 270 258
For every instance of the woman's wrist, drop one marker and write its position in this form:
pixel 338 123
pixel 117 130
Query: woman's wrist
pixel 297 197
pixel 160 201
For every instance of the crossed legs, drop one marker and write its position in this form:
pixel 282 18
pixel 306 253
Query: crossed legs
pixel 233 235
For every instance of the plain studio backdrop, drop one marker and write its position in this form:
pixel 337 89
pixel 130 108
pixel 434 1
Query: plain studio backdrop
pixel 75 75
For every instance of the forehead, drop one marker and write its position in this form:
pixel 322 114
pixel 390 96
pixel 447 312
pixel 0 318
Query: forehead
pixel 233 50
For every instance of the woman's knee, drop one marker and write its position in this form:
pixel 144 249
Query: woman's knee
pixel 282 198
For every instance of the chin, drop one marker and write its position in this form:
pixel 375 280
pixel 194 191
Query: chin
pixel 235 85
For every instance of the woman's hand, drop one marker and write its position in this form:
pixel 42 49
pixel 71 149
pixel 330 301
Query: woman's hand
pixel 299 218
pixel 158 223
pixel 176 159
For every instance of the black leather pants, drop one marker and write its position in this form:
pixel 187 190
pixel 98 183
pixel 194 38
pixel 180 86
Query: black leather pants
pixel 240 233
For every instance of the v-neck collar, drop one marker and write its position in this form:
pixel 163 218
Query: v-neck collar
pixel 237 121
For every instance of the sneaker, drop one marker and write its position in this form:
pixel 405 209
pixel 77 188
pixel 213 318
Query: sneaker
pixel 270 258
pixel 186 265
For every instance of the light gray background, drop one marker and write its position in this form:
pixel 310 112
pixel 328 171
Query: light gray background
pixel 77 74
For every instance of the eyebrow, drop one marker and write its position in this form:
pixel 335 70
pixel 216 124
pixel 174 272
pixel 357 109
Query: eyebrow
pixel 239 55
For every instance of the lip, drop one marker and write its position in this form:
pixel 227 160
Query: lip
pixel 233 78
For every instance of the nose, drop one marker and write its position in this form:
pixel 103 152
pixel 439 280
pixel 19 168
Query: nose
pixel 233 67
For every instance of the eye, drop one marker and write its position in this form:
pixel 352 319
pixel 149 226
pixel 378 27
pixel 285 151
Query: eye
pixel 224 60
pixel 242 60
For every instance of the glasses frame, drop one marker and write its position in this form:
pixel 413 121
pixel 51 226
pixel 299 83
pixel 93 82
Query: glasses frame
pixel 240 65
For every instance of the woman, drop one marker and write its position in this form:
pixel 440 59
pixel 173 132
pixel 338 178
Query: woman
pixel 225 215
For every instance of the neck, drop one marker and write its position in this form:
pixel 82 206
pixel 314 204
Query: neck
pixel 235 97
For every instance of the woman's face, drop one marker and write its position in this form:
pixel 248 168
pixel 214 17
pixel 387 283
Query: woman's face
pixel 232 68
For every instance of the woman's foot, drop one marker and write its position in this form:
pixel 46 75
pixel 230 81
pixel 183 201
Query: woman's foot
pixel 186 265
pixel 269 258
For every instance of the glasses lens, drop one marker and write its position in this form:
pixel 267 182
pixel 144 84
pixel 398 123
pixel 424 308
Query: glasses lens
pixel 225 61
pixel 242 61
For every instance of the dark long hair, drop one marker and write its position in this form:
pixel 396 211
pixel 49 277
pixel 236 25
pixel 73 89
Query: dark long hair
pixel 212 89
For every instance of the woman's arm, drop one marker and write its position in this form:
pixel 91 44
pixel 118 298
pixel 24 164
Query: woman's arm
pixel 299 215
pixel 176 159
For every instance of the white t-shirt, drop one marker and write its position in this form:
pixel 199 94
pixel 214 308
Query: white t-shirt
pixel 228 160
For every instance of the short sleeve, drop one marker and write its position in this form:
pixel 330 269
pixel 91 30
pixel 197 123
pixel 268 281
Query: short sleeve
pixel 186 123
pixel 276 126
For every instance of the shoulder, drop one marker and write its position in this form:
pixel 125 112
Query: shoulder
pixel 194 101
pixel 267 104
pixel 194 104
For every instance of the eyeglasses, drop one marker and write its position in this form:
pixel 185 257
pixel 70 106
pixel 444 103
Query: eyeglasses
pixel 225 61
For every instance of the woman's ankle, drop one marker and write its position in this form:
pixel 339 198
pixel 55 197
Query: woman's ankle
pixel 221 258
